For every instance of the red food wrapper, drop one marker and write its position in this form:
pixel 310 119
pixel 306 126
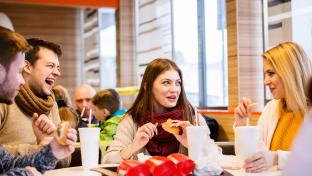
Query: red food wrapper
pixel 184 165
pixel 161 166
pixel 133 168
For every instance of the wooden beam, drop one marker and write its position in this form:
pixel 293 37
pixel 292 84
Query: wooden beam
pixel 71 3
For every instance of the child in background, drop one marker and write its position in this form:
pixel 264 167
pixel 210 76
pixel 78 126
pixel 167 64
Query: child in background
pixel 106 109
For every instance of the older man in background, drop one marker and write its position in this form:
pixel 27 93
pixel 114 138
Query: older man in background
pixel 83 100
pixel 12 54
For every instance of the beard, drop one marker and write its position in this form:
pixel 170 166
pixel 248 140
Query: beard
pixel 7 94
pixel 6 101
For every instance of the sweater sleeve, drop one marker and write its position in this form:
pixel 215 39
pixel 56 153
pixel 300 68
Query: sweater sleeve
pixel 282 158
pixel 17 172
pixel 124 136
pixel 21 149
pixel 42 161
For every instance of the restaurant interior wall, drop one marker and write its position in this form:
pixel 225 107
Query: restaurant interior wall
pixel 53 23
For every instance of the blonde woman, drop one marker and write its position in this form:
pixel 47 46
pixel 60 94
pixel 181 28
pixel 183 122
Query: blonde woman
pixel 63 100
pixel 287 71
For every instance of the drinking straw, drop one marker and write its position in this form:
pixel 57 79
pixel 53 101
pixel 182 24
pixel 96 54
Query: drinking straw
pixel 82 112
pixel 248 107
pixel 247 121
pixel 196 117
pixel 90 117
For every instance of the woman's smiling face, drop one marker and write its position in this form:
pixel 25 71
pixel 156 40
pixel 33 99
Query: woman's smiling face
pixel 273 80
pixel 166 90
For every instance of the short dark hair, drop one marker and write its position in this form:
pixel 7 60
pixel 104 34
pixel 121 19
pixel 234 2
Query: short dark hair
pixel 35 44
pixel 108 99
pixel 11 43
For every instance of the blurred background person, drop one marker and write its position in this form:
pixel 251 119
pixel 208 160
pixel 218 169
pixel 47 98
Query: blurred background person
pixel 107 110
pixel 67 113
pixel 83 96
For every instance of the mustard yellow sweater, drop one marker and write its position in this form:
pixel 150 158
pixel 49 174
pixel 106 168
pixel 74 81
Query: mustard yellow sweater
pixel 286 130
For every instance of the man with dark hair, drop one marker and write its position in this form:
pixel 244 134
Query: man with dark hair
pixel 12 54
pixel 40 73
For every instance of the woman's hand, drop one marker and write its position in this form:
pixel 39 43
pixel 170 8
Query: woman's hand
pixel 143 135
pixel 141 138
pixel 261 161
pixel 62 151
pixel 242 111
pixel 182 137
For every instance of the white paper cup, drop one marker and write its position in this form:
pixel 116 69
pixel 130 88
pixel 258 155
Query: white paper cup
pixel 196 140
pixel 89 146
pixel 246 141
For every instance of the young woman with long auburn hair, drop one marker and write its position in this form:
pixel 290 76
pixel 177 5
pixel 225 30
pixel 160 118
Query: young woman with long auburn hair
pixel 161 96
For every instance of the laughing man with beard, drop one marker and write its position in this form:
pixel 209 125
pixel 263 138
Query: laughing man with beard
pixel 40 72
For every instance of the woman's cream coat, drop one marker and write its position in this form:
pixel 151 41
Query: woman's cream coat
pixel 267 124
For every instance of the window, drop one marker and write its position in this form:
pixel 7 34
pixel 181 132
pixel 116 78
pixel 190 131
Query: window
pixel 216 53
pixel 186 45
pixel 108 48
pixel 287 20
pixel 200 50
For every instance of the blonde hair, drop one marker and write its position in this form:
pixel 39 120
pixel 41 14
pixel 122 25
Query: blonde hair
pixel 61 93
pixel 294 68
pixel 67 113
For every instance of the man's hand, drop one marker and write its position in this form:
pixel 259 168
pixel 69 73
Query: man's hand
pixel 62 151
pixel 44 128
pixel 33 171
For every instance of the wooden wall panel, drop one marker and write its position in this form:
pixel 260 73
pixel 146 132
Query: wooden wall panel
pixel 127 44
pixel 57 24
pixel 245 46
pixel 154 32
pixel 233 86
pixel 127 73
pixel 71 3
pixel 225 121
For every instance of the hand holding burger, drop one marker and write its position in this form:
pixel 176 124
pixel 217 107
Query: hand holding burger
pixel 178 129
pixel 167 126
pixel 62 142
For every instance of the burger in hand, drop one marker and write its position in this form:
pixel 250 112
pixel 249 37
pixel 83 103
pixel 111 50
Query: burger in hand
pixel 171 129
pixel 62 130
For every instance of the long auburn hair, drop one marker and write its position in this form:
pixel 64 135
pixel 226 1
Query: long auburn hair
pixel 295 69
pixel 144 101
